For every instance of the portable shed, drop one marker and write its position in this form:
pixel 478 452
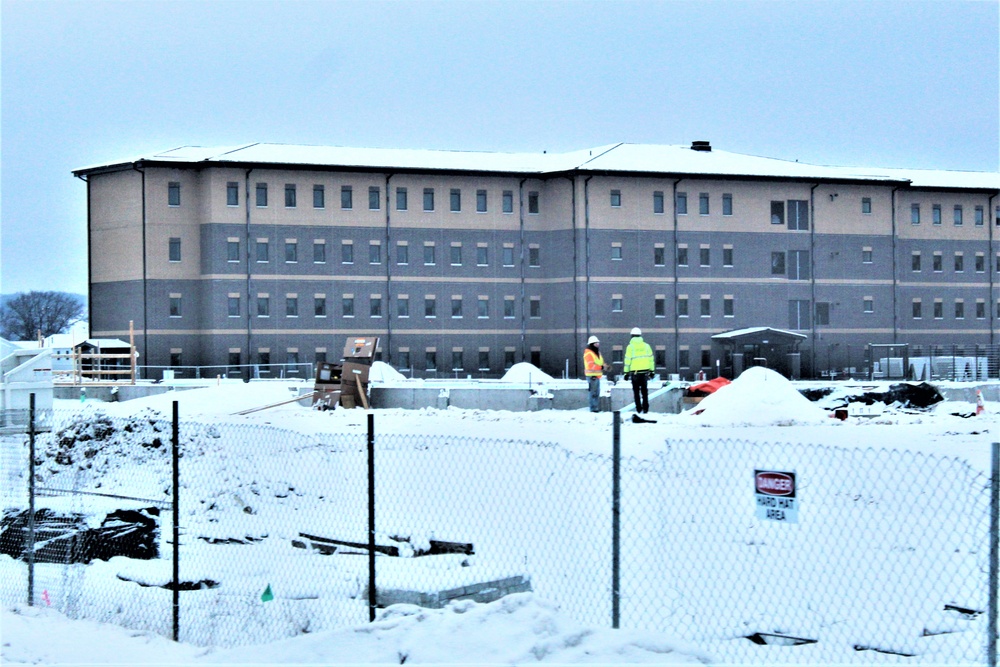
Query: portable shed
pixel 776 349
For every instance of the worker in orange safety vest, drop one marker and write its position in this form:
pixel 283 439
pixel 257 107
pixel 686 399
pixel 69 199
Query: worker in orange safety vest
pixel 594 367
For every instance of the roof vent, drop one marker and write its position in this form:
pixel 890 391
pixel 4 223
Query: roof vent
pixel 701 146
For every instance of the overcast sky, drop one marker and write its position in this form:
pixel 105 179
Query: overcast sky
pixel 893 83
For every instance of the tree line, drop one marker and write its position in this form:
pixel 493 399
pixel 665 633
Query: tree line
pixel 28 315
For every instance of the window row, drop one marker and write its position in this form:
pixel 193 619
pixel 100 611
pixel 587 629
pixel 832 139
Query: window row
pixel 957 309
pixel 958 215
pixel 958 262
pixel 348 306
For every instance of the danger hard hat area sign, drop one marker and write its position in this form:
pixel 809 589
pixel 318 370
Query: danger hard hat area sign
pixel 774 491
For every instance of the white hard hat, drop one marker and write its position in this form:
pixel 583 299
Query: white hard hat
pixel 636 332
pixel 592 340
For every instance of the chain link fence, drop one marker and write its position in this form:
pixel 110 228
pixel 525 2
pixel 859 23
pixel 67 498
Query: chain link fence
pixel 890 553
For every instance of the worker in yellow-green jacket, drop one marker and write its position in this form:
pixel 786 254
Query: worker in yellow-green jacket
pixel 638 367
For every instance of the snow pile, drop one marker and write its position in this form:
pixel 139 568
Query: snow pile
pixel 384 373
pixel 758 397
pixel 524 373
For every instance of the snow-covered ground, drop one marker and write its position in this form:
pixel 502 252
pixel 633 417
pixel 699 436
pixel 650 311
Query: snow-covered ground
pixel 565 623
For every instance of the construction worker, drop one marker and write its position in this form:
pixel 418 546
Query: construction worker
pixel 638 367
pixel 594 367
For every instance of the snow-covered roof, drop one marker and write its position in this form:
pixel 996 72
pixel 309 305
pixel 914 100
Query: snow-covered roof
pixel 105 342
pixel 738 333
pixel 622 158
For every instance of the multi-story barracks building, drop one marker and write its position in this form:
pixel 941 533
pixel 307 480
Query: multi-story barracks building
pixel 465 263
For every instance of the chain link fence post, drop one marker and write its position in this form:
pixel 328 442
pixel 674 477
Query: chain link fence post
pixel 31 499
pixel 616 474
pixel 991 622
pixel 175 449
pixel 372 597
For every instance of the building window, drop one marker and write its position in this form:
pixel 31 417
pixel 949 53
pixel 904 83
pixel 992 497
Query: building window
pixel 346 197
pixel 682 255
pixel 402 306
pixel 682 203
pixel 347 253
pixel 915 214
pixel 508 255
pixel 660 306
pixel 291 306
pixel 374 198
pixel 682 305
pixel 289 195
pixel 261 195
pixel 980 262
pixel 403 358
pixel 705 256
pixel 175 306
pixel 374 253
pixel 616 198
pixel 428 199
pixel 456 307
pixel 402 253
pixel 936 214
pixel 264 357
pixel 727 307
pixel 174 250
pixel 233 306
pixel 508 201
pixel 484 360
pixel 937 263
pixel 508 307
pixel 958 214
pixel 706 357
pixel 798 214
pixel 319 196
pixel 456 255
pixel 232 251
pixel 660 357
pixel 778 264
pixel 429 259
pixel 508 359
pixel 703 203
pixel 980 310
pixel 915 261
pixel 375 306
pixel 822 313
pixel 319 306
pixel 262 251
pixel 727 256
pixel 319 253
pixel 866 255
pixel 798 314
pixel 866 208
pixel 616 251
pixel 291 251
pixel 917 309
pixel 483 311
pixel 659 258
pixel 534 256
pixel 455 200
pixel 777 212
pixel 347 305
pixel 616 303
pixel 430 306
pixel 959 262
pixel 938 310
pixel 798 265
pixel 175 358
pixel 457 363
pixel 617 355
pixel 480 201
pixel 658 202
pixel 232 193
pixel 401 199
pixel 535 307
pixel 727 204
pixel 482 256
pixel 868 304
pixel 430 360
pixel 532 202
pixel 263 305
pixel 173 194
pixel 959 310
pixel 980 216
pixel 235 358
pixel 292 359
pixel 706 306
pixel 684 358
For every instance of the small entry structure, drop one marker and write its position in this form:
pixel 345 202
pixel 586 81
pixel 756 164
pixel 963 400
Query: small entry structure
pixel 760 346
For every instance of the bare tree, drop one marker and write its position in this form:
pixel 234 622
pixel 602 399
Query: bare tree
pixel 28 313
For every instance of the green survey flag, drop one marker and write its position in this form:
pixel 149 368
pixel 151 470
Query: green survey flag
pixel 267 595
